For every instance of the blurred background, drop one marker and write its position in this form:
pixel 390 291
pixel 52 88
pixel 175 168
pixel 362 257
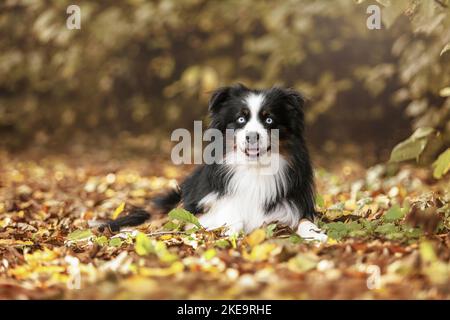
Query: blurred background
pixel 136 70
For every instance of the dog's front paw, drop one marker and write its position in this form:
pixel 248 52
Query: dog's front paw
pixel 309 231
pixel 211 222
pixel 234 230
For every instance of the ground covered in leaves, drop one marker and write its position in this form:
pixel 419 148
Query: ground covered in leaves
pixel 388 233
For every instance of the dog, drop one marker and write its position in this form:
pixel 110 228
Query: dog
pixel 238 192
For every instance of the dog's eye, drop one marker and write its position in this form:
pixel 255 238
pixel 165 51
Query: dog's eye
pixel 241 120
pixel 269 120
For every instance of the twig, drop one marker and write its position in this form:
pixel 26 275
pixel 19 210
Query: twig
pixel 161 233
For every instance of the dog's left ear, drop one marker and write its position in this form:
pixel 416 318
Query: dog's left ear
pixel 295 102
pixel 295 99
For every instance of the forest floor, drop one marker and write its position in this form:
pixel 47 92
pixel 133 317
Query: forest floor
pixel 388 231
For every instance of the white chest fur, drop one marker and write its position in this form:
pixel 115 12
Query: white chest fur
pixel 243 207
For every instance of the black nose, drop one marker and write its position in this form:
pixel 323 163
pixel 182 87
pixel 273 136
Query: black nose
pixel 252 137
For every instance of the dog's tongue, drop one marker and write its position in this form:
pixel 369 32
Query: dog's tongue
pixel 252 151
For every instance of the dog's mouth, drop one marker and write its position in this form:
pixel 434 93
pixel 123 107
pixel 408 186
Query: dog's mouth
pixel 254 152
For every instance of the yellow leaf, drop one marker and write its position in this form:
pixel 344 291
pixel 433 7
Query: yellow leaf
pixel 166 237
pixel 175 268
pixel 209 254
pixel 15 243
pixel 445 92
pixel 445 49
pixel 143 245
pixel 303 262
pixel 427 252
pixel 331 241
pixel 263 252
pixel 40 256
pixel 118 211
pixel 256 237
pixel 438 272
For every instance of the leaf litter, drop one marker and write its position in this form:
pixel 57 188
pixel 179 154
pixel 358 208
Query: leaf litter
pixel 388 237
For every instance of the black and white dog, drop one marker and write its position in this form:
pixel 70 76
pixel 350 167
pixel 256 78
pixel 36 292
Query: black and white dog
pixel 238 192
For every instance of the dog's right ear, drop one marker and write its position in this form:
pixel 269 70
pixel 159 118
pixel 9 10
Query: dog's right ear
pixel 220 95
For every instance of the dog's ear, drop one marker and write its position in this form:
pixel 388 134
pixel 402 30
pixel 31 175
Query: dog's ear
pixel 219 96
pixel 295 98
pixel 295 102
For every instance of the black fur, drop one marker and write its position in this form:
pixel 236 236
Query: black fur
pixel 134 218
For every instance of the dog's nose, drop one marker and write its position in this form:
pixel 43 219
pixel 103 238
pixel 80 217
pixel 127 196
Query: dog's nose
pixel 252 137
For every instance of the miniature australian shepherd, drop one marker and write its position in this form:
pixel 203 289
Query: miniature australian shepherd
pixel 241 192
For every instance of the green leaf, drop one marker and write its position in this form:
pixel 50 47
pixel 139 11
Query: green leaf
pixel 320 201
pixel 355 229
pixel 339 230
pixel 184 216
pixel 170 226
pixel 394 213
pixel 442 164
pixel 412 233
pixel 101 241
pixel 353 226
pixel 295 238
pixel 191 230
pixel 222 243
pixel 143 245
pixel 303 262
pixel 422 132
pixel 80 235
pixel 369 226
pixel 115 242
pixel 269 230
pixel 387 228
pixel 395 236
pixel 412 147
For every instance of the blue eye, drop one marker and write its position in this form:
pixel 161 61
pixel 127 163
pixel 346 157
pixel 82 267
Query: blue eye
pixel 241 120
pixel 269 120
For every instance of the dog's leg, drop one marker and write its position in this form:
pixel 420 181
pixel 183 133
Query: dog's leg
pixel 309 231
pixel 213 221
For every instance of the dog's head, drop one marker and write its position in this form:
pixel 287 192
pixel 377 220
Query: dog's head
pixel 255 115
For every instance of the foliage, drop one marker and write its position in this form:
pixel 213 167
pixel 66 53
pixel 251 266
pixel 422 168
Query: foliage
pixel 426 77
pixel 412 147
pixel 442 164
pixel 416 147
pixel 139 67
pixel 184 216
pixel 50 247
